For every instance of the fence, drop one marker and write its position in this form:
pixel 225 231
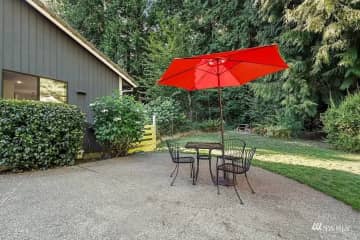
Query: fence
pixel 148 141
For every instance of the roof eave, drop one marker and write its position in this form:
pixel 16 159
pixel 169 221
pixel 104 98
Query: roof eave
pixel 43 10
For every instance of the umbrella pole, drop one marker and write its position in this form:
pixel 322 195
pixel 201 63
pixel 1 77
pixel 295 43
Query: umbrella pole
pixel 220 102
pixel 221 116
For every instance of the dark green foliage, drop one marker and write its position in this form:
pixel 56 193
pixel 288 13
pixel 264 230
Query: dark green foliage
pixel 118 122
pixel 118 28
pixel 319 40
pixel 272 131
pixel 168 41
pixel 209 125
pixel 238 107
pixel 37 135
pixel 342 124
pixel 169 114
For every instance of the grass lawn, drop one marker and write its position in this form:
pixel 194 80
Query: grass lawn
pixel 313 163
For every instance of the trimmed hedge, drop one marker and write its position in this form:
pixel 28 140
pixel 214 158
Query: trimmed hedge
pixel 342 124
pixel 37 135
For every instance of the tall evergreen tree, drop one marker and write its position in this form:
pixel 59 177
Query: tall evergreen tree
pixel 319 39
pixel 119 28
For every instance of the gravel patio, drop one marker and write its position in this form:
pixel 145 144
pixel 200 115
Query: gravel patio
pixel 130 198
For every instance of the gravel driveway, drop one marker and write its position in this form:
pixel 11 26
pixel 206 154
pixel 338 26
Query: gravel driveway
pixel 130 198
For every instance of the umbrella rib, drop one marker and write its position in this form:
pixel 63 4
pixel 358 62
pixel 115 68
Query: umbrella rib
pixel 181 72
pixel 238 61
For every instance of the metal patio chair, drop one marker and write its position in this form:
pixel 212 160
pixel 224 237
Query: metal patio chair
pixel 235 160
pixel 177 159
pixel 233 146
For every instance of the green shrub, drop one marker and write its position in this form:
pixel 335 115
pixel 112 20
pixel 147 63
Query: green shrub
pixel 169 115
pixel 209 125
pixel 118 123
pixel 272 131
pixel 342 124
pixel 37 135
pixel 259 129
pixel 278 132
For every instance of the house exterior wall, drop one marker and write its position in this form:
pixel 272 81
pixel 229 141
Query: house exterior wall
pixel 31 44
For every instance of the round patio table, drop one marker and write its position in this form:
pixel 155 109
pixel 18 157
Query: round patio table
pixel 204 146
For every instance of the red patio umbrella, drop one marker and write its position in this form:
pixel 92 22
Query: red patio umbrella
pixel 224 69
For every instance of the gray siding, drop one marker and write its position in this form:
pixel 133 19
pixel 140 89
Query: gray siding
pixel 31 44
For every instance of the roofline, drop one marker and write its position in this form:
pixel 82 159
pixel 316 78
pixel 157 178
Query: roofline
pixel 75 35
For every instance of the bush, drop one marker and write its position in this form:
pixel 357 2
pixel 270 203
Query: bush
pixel 278 132
pixel 169 114
pixel 259 129
pixel 118 123
pixel 272 131
pixel 37 135
pixel 342 124
pixel 209 125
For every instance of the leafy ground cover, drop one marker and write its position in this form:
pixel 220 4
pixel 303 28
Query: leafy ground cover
pixel 313 163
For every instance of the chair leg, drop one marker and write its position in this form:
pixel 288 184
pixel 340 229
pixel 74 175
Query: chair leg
pixel 197 168
pixel 177 171
pixel 210 169
pixel 236 191
pixel 217 181
pixel 191 169
pixel 252 190
pixel 172 173
pixel 193 173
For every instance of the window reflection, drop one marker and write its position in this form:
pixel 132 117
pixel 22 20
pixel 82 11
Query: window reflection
pixel 53 91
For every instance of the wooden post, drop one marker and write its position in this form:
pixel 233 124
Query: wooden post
pixel 154 120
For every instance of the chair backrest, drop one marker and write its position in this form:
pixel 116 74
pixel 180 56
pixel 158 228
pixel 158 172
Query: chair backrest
pixel 234 147
pixel 173 150
pixel 248 157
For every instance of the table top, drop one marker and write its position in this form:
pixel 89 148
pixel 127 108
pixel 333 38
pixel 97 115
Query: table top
pixel 204 145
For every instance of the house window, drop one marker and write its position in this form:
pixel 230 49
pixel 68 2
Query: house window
pixel 19 86
pixel 27 87
pixel 127 89
pixel 53 91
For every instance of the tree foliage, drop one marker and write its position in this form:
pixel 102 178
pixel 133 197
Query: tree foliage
pixel 117 28
pixel 168 112
pixel 320 40
pixel 342 123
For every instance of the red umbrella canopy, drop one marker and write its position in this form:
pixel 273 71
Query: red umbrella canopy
pixel 224 69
